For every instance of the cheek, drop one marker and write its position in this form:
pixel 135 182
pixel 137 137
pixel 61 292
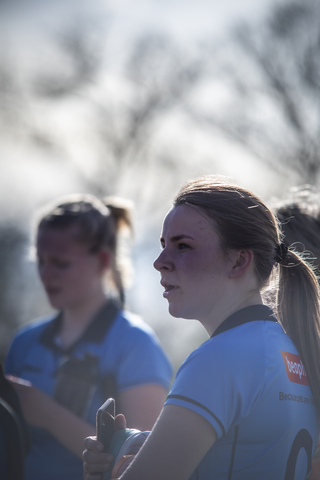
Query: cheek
pixel 201 267
pixel 208 275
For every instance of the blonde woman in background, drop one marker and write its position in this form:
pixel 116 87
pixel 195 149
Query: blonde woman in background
pixel 68 365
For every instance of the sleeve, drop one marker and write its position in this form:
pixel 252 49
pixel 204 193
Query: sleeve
pixel 25 339
pixel 141 359
pixel 13 357
pixel 218 382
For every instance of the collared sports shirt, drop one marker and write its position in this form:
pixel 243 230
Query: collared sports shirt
pixel 249 383
pixel 124 349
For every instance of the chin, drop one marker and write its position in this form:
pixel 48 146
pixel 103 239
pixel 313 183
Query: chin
pixel 176 312
pixel 173 311
pixel 55 303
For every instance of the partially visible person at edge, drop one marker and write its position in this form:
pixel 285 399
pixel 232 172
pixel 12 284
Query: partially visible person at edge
pixel 63 368
pixel 14 435
pixel 245 404
pixel 299 214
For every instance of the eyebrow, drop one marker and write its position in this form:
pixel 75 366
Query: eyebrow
pixel 176 238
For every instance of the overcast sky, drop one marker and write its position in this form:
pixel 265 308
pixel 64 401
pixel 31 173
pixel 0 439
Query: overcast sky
pixel 186 19
pixel 37 177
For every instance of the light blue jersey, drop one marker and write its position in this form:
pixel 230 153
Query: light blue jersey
pixel 110 357
pixel 249 383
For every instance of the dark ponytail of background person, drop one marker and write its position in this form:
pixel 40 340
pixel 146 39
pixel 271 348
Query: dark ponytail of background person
pixel 121 211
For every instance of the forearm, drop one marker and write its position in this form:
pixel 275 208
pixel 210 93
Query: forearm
pixel 41 410
pixel 176 445
pixel 67 428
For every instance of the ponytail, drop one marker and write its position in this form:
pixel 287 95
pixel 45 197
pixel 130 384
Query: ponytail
pixel 298 311
pixel 121 212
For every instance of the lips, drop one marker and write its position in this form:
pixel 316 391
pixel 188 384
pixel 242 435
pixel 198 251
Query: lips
pixel 53 290
pixel 167 288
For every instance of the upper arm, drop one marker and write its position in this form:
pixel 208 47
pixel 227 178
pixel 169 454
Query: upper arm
pixel 137 357
pixel 177 444
pixel 142 405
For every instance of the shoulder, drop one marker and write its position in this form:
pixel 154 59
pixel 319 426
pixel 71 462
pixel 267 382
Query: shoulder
pixel 242 363
pixel 133 326
pixel 136 352
pixel 235 351
pixel 32 331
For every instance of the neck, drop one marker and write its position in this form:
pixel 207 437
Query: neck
pixel 219 315
pixel 77 318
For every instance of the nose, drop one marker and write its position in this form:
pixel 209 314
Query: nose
pixel 162 262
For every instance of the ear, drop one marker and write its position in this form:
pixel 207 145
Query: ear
pixel 104 259
pixel 241 260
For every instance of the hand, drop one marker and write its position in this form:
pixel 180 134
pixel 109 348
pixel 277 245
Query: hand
pixel 34 402
pixel 95 461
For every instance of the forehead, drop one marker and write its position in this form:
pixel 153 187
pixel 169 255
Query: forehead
pixel 58 240
pixel 187 220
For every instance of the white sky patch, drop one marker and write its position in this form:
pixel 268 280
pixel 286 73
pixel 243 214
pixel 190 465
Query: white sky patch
pixel 185 19
pixel 33 181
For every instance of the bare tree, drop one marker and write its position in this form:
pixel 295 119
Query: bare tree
pixel 271 75
pixel 68 67
pixel 157 78
pixel 64 74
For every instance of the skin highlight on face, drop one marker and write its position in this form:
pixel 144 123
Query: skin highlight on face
pixel 192 264
pixel 68 271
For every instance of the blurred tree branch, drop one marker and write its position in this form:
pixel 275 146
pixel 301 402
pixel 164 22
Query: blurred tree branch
pixel 56 102
pixel 271 72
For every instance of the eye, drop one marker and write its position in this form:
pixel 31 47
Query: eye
pixel 61 264
pixel 182 246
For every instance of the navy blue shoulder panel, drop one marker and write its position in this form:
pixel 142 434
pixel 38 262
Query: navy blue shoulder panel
pixel 245 315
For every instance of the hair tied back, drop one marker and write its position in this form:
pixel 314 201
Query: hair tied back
pixel 281 252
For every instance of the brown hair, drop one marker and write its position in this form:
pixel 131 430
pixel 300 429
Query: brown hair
pixel 243 221
pixel 299 214
pixel 98 225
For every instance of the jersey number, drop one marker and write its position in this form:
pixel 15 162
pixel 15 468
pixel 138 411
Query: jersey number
pixel 302 440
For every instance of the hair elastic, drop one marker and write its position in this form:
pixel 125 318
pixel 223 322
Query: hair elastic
pixel 281 252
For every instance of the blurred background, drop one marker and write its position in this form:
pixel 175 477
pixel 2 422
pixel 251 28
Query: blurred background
pixel 133 99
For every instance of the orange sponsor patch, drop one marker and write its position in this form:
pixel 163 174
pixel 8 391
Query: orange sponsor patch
pixel 294 368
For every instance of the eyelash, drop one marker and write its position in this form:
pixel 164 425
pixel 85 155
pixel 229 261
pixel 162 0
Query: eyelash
pixel 182 246
pixel 62 265
pixel 57 263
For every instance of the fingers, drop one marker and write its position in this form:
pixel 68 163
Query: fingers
pixel 120 422
pixel 91 443
pixel 95 461
pixel 96 465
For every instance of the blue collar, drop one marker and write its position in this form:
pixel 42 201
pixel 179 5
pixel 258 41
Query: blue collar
pixel 95 332
pixel 245 315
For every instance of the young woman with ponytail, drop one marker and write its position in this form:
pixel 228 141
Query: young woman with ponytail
pixel 66 366
pixel 245 404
